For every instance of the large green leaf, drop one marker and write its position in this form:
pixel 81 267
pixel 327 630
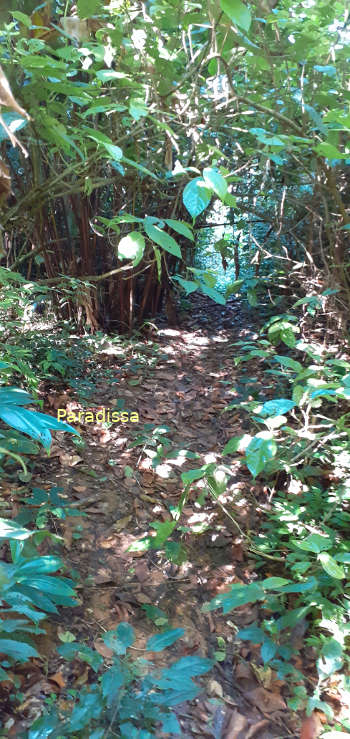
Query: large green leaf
pixel 17 650
pixel 11 530
pixel 188 667
pixel 239 595
pixel 238 12
pixel 288 362
pixel 259 452
pixel 330 566
pixel 173 697
pixel 115 152
pixel 52 585
pixel 213 294
pixel 46 563
pixel 331 658
pixel 196 196
pixel 314 543
pixel 33 423
pixel 137 108
pixel 164 529
pixel 13 395
pixel 170 725
pixel 276 407
pixel 215 181
pixel 328 150
pixel 140 167
pixel 163 239
pixel 180 227
pixel 120 639
pixel 188 285
pixel 161 641
pixel 132 247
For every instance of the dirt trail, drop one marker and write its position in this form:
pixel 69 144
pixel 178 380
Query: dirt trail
pixel 185 386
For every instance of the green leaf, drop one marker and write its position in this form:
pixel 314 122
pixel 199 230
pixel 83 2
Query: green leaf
pixel 15 396
pixel 164 529
pixel 314 543
pixel 140 167
pixel 87 8
pixel 331 658
pixel 274 583
pixel 291 618
pixel 111 681
pixel 188 285
pixel 213 294
pixel 196 196
pixel 163 239
pixel 120 639
pixel 170 724
pixel 9 626
pixel 11 530
pixel 237 12
pixel 288 362
pixel 190 666
pixel 230 200
pixel 232 445
pixel 137 108
pixel 33 423
pixel 44 564
pixel 268 650
pixel 107 75
pixel 214 180
pixel 17 650
pixel 114 151
pixel 288 337
pixel 234 287
pixel 239 595
pixel 259 452
pixel 52 586
pixel 276 407
pixel 22 18
pixel 172 697
pixel 180 227
pixel 301 587
pixel 161 641
pixel 252 297
pixel 132 247
pixel 251 633
pixel 191 475
pixel 330 566
pixel 329 151
pixel 345 558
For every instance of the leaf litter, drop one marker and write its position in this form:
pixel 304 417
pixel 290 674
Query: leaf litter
pixel 187 389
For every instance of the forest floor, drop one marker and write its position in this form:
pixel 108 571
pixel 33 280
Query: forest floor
pixel 183 379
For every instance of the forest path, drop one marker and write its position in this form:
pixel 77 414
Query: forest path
pixel 183 384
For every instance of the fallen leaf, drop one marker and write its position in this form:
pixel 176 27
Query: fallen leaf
pixel 263 674
pixel 257 727
pixel 311 727
pixel 79 488
pixel 121 523
pixel 264 700
pixel 69 460
pixel 58 679
pixel 214 688
pixel 236 725
pixel 243 671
